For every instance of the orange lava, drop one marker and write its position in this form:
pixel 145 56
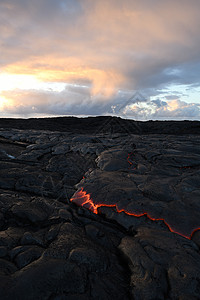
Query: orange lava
pixel 82 198
pixel 185 167
pixel 128 159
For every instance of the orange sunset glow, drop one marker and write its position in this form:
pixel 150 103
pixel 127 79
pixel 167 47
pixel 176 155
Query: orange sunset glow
pixel 86 57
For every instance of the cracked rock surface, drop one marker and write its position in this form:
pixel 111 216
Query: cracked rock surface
pixel 143 241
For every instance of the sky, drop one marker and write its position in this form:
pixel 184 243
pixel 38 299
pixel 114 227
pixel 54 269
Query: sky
pixel 130 58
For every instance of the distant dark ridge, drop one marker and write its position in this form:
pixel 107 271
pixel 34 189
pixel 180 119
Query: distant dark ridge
pixel 103 125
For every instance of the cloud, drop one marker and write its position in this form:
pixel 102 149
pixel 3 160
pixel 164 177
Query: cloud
pixel 163 110
pixel 107 46
pixel 72 100
pixel 76 100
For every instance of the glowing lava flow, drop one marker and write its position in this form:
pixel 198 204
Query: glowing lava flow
pixel 82 198
pixel 128 159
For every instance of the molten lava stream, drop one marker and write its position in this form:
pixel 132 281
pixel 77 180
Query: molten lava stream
pixel 82 198
pixel 128 159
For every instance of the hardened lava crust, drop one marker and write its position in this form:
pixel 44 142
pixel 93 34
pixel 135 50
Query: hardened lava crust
pixel 106 209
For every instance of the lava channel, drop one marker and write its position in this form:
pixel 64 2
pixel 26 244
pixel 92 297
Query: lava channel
pixel 129 159
pixel 82 198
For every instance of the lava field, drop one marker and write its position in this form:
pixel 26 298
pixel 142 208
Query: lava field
pixel 99 212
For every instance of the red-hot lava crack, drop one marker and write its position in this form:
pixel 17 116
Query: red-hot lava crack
pixel 129 159
pixel 82 198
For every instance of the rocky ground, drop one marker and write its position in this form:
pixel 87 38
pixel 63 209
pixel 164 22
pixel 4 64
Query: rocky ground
pixel 105 215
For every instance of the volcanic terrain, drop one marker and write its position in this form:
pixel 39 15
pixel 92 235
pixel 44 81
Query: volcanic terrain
pixel 99 208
